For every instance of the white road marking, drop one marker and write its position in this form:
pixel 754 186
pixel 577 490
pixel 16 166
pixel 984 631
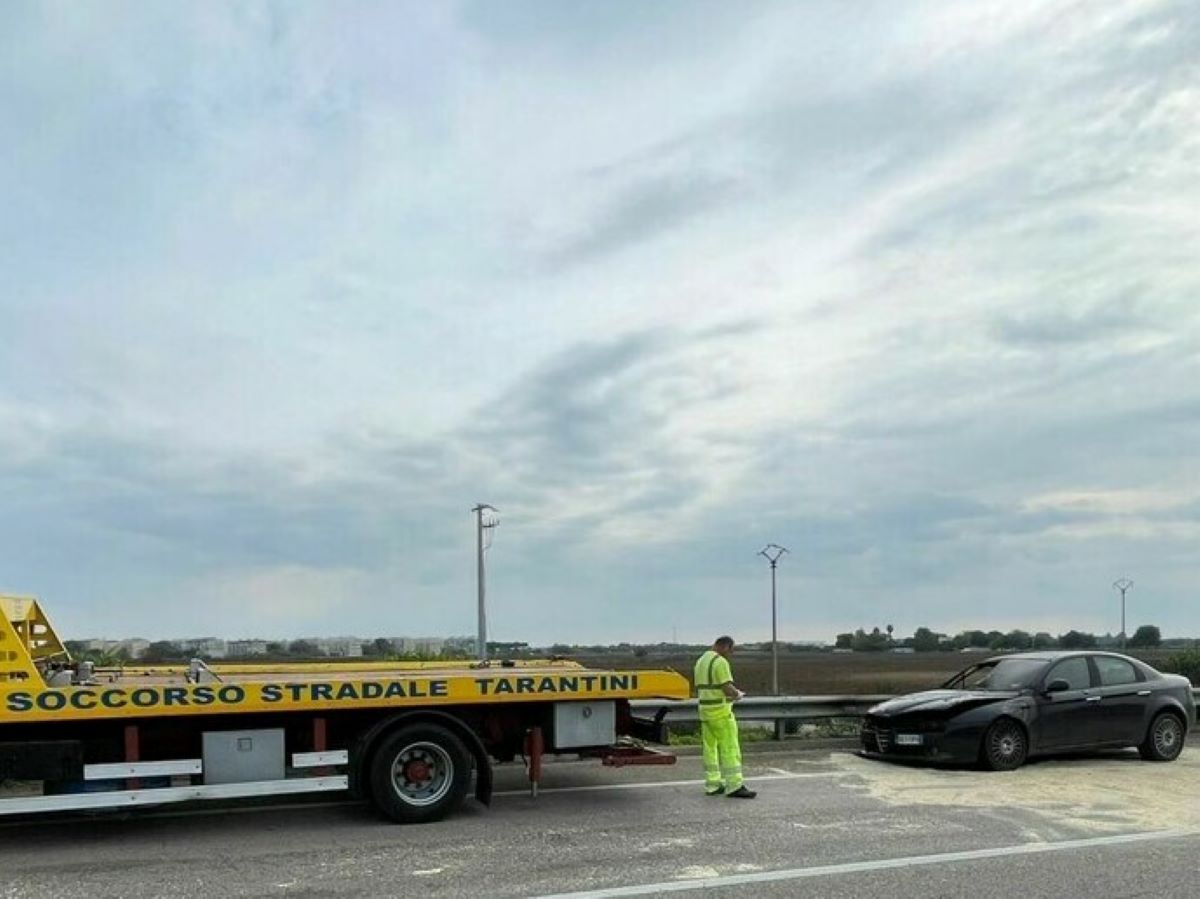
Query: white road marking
pixel 595 788
pixel 778 771
pixel 883 864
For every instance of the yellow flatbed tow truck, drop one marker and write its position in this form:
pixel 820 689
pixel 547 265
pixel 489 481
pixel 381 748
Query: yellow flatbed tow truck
pixel 410 737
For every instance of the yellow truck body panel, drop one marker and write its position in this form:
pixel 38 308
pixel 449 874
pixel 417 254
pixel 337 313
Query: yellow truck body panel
pixel 28 645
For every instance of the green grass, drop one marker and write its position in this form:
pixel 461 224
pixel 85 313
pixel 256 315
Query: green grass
pixel 689 735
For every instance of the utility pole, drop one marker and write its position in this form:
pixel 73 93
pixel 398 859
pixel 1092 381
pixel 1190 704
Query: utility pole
pixel 1122 586
pixel 483 524
pixel 772 552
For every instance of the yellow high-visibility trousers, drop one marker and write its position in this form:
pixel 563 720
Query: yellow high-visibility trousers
pixel 722 754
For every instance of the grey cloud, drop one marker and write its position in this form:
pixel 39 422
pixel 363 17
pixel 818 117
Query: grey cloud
pixel 596 402
pixel 733 329
pixel 857 140
pixel 587 436
pixel 642 212
pixel 1053 327
pixel 577 409
pixel 1094 129
pixel 92 501
pixel 1153 47
pixel 578 31
pixel 873 131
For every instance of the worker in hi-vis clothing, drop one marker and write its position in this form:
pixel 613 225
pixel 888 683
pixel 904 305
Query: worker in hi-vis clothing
pixel 718 727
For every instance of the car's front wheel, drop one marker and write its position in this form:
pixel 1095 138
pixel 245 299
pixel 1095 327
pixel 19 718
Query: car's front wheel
pixel 1005 746
pixel 1164 739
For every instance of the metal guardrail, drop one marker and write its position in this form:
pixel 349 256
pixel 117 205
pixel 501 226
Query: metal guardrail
pixel 770 708
pixel 762 708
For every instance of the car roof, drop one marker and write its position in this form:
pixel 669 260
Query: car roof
pixel 1056 654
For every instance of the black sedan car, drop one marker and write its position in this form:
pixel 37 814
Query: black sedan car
pixel 1008 708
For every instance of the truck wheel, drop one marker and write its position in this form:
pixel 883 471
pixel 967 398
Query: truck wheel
pixel 1164 740
pixel 419 773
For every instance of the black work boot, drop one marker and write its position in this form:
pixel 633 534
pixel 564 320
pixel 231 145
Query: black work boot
pixel 742 792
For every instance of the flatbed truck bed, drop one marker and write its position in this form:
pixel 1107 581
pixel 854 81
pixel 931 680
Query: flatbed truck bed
pixel 410 737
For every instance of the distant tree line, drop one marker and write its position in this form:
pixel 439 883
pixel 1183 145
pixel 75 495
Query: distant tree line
pixel 926 640
pixel 110 658
pixel 1185 662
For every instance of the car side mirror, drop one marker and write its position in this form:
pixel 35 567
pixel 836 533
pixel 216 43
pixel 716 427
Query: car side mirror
pixel 1057 686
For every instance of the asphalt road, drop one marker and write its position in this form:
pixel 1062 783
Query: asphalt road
pixel 825 824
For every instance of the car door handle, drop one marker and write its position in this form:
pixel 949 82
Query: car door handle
pixel 1094 698
pixel 1143 692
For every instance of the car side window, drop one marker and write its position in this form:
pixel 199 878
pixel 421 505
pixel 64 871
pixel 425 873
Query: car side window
pixel 1114 672
pixel 1074 671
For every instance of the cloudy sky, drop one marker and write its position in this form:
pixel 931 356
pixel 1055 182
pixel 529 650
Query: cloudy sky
pixel 911 289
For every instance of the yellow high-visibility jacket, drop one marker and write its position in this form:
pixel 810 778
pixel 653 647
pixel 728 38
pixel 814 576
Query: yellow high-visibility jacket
pixel 711 674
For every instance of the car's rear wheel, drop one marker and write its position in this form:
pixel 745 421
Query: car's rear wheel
pixel 1005 746
pixel 1164 739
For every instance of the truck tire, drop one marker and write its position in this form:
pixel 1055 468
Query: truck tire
pixel 419 773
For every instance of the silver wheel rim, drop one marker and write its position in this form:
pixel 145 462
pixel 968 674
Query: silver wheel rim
pixel 422 773
pixel 1006 745
pixel 1166 736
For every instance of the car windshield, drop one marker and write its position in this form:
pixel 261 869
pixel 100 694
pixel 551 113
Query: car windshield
pixel 1002 674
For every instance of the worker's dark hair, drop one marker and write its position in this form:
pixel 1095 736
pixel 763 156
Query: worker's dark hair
pixel 723 641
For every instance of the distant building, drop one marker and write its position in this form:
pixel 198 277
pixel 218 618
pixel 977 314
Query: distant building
pixel 204 647
pixel 904 650
pixel 135 648
pixel 242 648
pixel 420 646
pixel 101 645
pixel 340 647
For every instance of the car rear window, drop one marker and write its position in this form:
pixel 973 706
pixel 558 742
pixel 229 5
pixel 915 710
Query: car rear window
pixel 1114 672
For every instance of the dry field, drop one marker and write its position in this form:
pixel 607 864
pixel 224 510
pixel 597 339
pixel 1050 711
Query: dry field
pixel 823 674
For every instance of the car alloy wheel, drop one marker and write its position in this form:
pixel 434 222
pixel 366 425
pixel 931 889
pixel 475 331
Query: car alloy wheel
pixel 1004 746
pixel 1165 740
